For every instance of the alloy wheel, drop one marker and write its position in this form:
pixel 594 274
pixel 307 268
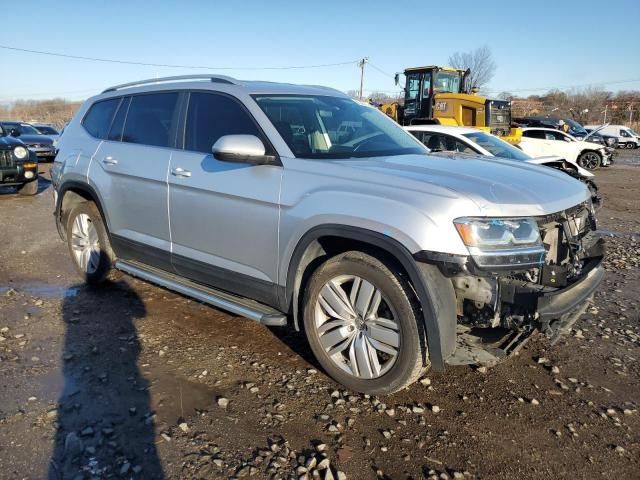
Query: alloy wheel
pixel 357 327
pixel 85 244
pixel 590 160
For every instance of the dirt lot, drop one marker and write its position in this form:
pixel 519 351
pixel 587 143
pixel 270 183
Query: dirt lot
pixel 132 381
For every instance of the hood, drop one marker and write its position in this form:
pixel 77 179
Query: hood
pixel 9 141
pixel 31 139
pixel 498 187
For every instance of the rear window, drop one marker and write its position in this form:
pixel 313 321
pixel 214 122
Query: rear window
pixel 98 119
pixel 152 120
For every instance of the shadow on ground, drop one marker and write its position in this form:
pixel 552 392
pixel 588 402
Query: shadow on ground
pixel 105 422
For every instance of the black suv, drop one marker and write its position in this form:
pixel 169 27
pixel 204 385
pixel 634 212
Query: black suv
pixel 18 164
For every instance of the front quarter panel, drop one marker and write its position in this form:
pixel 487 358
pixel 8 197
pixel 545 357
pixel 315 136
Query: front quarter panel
pixel 416 219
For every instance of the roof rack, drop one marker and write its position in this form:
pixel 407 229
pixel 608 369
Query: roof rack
pixel 211 78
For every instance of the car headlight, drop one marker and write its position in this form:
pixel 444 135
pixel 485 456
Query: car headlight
pixel 20 153
pixel 502 243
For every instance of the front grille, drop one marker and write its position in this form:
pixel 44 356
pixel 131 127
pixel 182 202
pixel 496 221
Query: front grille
pixel 498 116
pixel 6 159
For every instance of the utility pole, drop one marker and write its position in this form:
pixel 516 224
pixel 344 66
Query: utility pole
pixel 630 114
pixel 361 64
pixel 605 113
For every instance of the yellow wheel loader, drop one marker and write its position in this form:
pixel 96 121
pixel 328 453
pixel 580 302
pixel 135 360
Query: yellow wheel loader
pixel 443 95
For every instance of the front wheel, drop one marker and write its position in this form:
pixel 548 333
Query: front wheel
pixel 89 243
pixel 589 160
pixel 363 324
pixel 631 145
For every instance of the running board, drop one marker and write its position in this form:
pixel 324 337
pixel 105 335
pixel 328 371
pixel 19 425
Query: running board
pixel 226 301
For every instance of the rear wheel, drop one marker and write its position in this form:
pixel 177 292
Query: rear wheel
pixel 589 160
pixel 29 188
pixel 363 324
pixel 89 243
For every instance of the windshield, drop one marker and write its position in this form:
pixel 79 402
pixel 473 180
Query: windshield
pixel 315 126
pixel 22 128
pixel 633 132
pixel 497 147
pixel 46 130
pixel 447 82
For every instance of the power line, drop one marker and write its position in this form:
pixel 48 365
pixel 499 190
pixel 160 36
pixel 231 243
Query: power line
pixel 165 65
pixel 381 71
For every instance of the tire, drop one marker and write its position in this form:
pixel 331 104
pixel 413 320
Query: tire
pixel 590 160
pixel 630 146
pixel 85 228
pixel 380 368
pixel 29 188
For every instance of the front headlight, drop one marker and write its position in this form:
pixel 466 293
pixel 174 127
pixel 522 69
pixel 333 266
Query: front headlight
pixel 502 243
pixel 20 153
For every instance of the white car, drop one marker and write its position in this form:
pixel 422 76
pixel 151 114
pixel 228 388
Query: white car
pixel 549 141
pixel 440 138
pixel 465 140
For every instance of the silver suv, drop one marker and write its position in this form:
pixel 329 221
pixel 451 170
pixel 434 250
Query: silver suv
pixel 296 205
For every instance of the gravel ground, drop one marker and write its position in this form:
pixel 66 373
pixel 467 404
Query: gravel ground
pixel 132 381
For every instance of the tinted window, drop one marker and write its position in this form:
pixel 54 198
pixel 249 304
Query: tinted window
pixel 98 119
pixel 534 134
pixel 152 119
pixel 118 121
pixel 211 116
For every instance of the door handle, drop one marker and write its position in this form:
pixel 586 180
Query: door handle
pixel 110 161
pixel 180 172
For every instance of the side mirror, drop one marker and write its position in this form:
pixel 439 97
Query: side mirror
pixel 242 149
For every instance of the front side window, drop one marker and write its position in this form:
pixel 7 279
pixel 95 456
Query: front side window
pixel 211 116
pixel 152 119
pixel 624 133
pixel 497 147
pixel 98 119
pixel 323 127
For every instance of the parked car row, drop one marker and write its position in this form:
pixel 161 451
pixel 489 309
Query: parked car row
pixel 40 139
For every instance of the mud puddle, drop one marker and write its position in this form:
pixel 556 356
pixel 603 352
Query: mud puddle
pixel 42 290
pixel 174 398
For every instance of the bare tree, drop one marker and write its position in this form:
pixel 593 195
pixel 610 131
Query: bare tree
pixel 481 63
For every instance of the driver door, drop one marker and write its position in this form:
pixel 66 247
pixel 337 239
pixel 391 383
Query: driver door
pixel 223 216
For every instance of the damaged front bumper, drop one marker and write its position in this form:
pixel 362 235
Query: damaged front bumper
pixel 499 311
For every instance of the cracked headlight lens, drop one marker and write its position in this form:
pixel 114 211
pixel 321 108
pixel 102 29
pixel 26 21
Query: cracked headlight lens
pixel 502 243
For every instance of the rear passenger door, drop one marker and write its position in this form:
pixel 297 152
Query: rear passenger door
pixel 131 167
pixel 224 216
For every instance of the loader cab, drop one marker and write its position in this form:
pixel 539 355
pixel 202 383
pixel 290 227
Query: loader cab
pixel 422 86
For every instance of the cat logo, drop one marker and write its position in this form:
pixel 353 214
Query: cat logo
pixel 441 106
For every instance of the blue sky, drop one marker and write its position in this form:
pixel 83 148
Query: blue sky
pixel 535 44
